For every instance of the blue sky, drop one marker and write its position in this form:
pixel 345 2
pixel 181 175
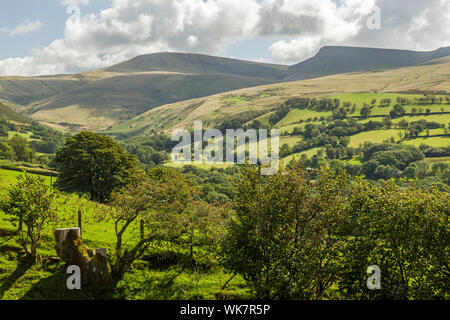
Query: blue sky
pixel 37 37
pixel 51 13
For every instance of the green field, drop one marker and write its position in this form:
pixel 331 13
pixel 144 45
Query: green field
pixel 432 141
pixel 294 116
pixel 376 136
pixel 145 281
pixel 291 121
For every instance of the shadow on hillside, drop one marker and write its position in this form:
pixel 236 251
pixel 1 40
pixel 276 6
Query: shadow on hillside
pixel 55 288
pixel 21 269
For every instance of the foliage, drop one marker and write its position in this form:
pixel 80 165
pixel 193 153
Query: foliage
pixel 285 237
pixel 156 199
pixel 403 231
pixel 30 202
pixel 6 152
pixel 293 238
pixel 22 151
pixel 93 164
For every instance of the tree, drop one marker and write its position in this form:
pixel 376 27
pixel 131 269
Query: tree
pixel 30 201
pixel 285 150
pixel 285 235
pixel 387 122
pixel 22 151
pixel 93 164
pixel 3 130
pixel 365 112
pixel 405 232
pixel 6 152
pixel 159 200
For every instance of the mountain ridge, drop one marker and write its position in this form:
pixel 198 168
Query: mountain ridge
pixel 98 99
pixel 331 60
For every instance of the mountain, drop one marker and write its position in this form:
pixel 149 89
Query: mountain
pixel 99 99
pixel 430 77
pixel 199 64
pixel 335 60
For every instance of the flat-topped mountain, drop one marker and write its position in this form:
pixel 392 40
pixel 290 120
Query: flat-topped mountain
pixel 199 64
pixel 335 60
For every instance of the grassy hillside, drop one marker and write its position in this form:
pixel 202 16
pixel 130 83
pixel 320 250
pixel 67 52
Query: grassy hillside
pixel 147 280
pixel 95 100
pixel 7 111
pixel 112 100
pixel 218 108
pixel 99 99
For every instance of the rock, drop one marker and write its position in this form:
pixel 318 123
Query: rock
pixel 94 266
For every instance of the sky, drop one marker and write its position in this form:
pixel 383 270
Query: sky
pixel 42 37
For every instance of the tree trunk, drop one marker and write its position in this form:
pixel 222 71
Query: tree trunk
pixel 94 266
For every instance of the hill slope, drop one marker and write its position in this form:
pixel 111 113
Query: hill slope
pixel 99 99
pixel 199 64
pixel 430 77
pixel 7 111
pixel 336 60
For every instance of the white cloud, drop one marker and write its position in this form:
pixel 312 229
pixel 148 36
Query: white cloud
pixel 130 28
pixel 24 28
pixel 74 2
pixel 312 24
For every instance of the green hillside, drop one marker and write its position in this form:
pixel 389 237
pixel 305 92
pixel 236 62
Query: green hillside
pixel 262 100
pixel 99 99
pixel 7 112
pixel 112 100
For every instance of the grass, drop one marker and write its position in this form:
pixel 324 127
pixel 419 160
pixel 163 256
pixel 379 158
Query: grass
pixel 376 136
pixel 295 115
pixel 309 153
pixel 26 135
pixel 355 87
pixel 290 140
pixel 431 141
pixel 19 280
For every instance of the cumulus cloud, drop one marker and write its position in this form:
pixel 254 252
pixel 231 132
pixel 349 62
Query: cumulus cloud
pixel 24 28
pixel 312 24
pixel 74 2
pixel 414 25
pixel 130 28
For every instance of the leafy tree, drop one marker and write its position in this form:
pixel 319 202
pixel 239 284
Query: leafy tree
pixel 3 130
pixel 22 151
pixel 93 164
pixel 31 202
pixel 158 199
pixel 365 112
pixel 405 232
pixel 285 236
pixel 285 150
pixel 6 151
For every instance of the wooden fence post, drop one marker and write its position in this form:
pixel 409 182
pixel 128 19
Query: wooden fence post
pixel 79 223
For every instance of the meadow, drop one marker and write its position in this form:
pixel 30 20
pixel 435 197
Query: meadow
pixel 298 118
pixel 151 279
